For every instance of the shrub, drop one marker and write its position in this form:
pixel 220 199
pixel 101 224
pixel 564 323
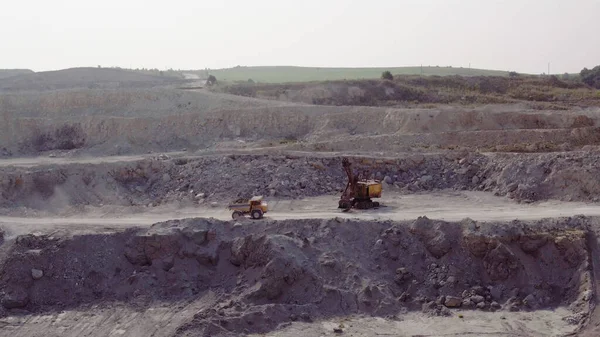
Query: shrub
pixel 386 75
pixel 65 137
pixel 211 80
pixel 591 77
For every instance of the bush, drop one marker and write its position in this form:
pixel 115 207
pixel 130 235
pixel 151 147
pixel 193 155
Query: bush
pixel 591 77
pixel 489 85
pixel 241 90
pixel 211 80
pixel 513 74
pixel 386 75
pixel 65 137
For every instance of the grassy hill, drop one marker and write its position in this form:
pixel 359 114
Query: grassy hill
pixel 284 74
pixel 5 73
pixel 83 78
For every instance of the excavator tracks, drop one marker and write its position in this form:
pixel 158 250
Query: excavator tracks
pixel 358 204
pixel 366 204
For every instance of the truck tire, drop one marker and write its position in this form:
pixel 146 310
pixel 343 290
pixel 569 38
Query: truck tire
pixel 236 215
pixel 256 214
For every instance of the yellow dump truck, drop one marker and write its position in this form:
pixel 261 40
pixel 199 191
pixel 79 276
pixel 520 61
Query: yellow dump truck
pixel 255 207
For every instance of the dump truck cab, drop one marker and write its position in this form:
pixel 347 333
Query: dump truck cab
pixel 256 207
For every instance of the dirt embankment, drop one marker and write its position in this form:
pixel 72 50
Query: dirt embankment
pixel 523 177
pixel 135 121
pixel 537 91
pixel 265 275
pixel 126 121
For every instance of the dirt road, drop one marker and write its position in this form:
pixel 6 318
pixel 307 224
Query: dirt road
pixel 445 205
pixel 473 323
pixel 119 320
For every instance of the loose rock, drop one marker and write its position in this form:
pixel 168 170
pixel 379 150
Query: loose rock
pixel 477 299
pixel 453 301
pixel 36 274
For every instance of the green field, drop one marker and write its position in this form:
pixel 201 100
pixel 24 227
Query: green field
pixel 305 74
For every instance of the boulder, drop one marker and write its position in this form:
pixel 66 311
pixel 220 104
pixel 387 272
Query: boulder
pixel 15 298
pixel 477 299
pixel 198 236
pixel 530 301
pixel 453 302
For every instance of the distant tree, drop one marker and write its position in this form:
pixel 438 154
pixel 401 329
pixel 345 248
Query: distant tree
pixel 211 80
pixel 566 76
pixel 386 75
pixel 250 81
pixel 591 77
pixel 513 74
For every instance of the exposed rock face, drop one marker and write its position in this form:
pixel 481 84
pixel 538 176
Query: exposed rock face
pixel 437 236
pixel 274 272
pixel 212 180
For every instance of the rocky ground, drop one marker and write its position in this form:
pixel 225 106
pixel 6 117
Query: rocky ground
pixel 264 276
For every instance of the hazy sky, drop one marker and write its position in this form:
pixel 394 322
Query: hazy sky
pixel 520 35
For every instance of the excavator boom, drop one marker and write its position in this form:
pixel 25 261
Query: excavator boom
pixel 350 185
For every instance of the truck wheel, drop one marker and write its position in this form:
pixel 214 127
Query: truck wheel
pixel 236 215
pixel 257 214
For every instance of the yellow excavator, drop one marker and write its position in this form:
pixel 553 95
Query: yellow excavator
pixel 359 190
